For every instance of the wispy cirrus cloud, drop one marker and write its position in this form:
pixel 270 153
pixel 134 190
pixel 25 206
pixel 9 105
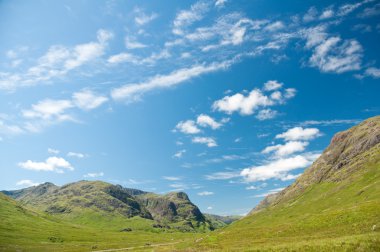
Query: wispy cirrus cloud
pixel 133 92
pixel 57 62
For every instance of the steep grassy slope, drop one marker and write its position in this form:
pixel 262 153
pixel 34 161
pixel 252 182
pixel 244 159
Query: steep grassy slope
pixel 334 205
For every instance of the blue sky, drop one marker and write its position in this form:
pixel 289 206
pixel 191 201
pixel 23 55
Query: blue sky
pixel 228 101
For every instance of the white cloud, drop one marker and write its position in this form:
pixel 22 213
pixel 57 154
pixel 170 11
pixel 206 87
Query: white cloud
pixel 266 114
pixel 134 91
pixel 49 109
pixel 7 129
pixel 131 43
pixel 286 149
pixel 272 85
pixel 277 169
pixel 76 154
pixel 142 18
pixel 290 177
pixel 311 15
pixel 245 105
pixel 94 175
pixel 278 25
pixel 326 14
pixel 172 178
pixel 122 57
pixel 337 56
pixel 53 151
pixel 207 121
pixel 370 11
pixel 179 154
pixel 270 192
pixel 88 100
pixel 299 133
pixel 188 127
pixel 56 164
pixel 220 3
pixel 205 193
pixel 248 104
pixel 26 183
pixel 373 72
pixel 210 142
pixel 331 122
pixel 187 17
pixel 209 208
pixel 222 175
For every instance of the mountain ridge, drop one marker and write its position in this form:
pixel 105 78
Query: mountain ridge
pixel 97 198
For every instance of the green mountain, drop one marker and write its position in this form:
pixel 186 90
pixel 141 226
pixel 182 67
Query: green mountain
pixel 100 204
pixel 218 221
pixel 23 229
pixel 334 205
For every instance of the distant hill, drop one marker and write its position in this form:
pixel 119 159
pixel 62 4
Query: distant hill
pixel 218 221
pixel 100 204
pixel 333 206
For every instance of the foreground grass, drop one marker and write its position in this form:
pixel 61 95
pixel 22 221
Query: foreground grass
pixel 24 230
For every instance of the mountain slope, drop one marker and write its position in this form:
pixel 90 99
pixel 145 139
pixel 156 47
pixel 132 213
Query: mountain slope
pixel 22 229
pixel 336 202
pixel 101 204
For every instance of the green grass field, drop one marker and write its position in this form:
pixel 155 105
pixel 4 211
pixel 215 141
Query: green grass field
pixel 24 230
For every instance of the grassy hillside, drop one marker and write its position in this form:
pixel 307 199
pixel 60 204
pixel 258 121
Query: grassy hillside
pixel 333 206
pixel 102 205
pixel 24 230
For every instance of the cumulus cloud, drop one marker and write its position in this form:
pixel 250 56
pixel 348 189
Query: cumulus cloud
pixel 266 114
pixel 94 175
pixel 205 193
pixel 299 133
pixel 187 127
pixel 56 164
pixel 286 149
pixel 26 183
pixel 272 85
pixel 248 104
pixel 207 121
pixel 88 100
pixel 209 141
pixel 277 169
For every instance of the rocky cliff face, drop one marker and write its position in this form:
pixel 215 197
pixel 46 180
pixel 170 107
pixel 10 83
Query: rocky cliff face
pixel 344 155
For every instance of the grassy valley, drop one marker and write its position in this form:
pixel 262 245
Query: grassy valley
pixel 333 206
